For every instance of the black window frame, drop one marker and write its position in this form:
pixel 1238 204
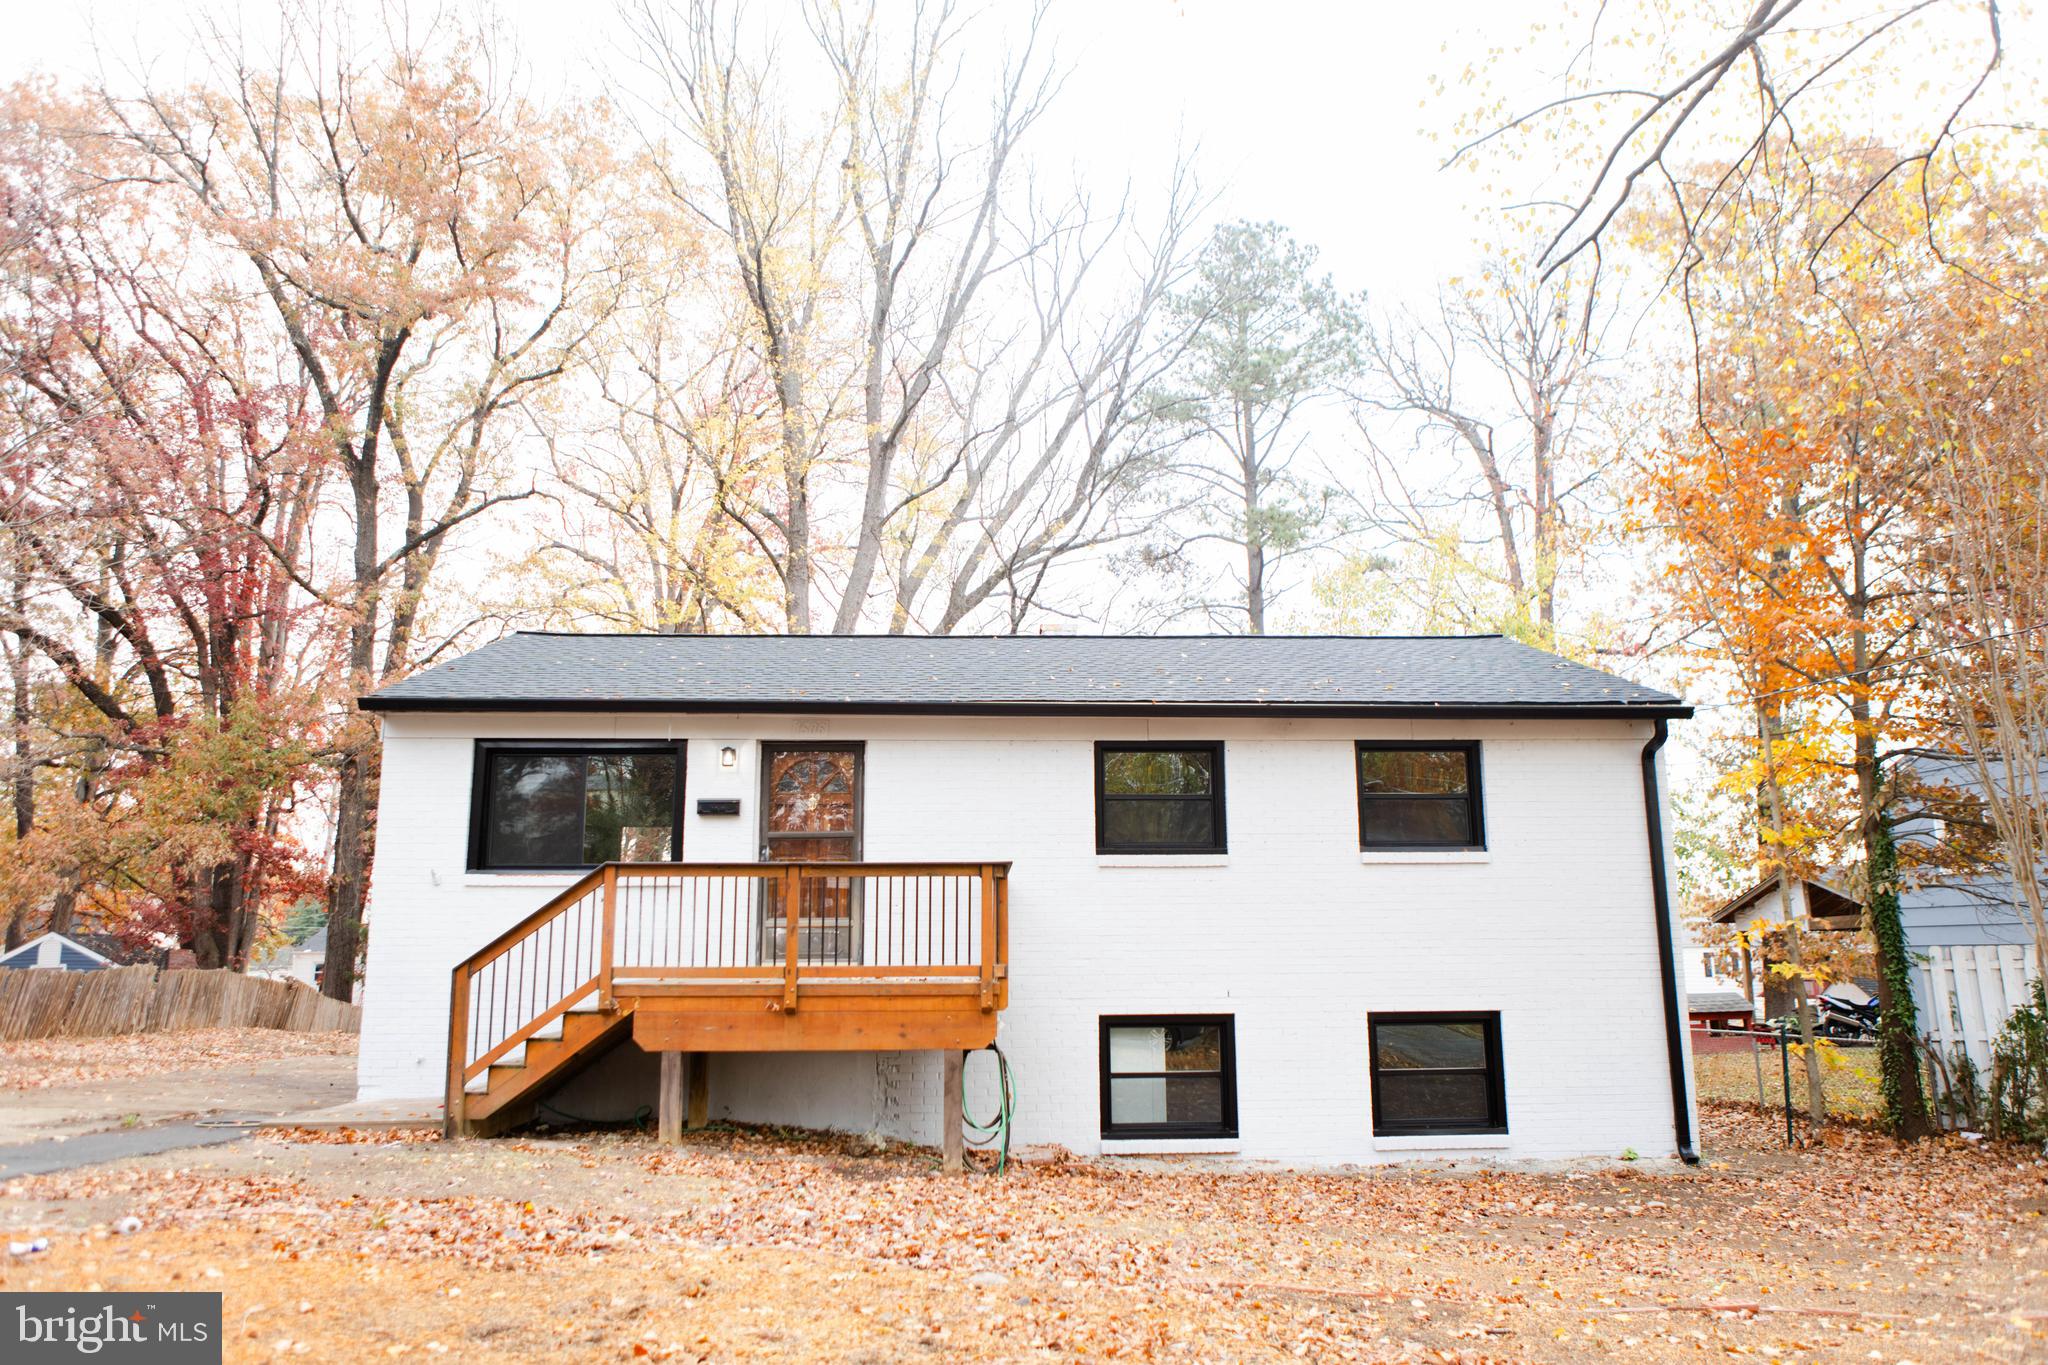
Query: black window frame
pixel 1226 1025
pixel 1496 1087
pixel 479 790
pixel 1475 829
pixel 1219 843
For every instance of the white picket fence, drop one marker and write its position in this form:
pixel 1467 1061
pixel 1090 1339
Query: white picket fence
pixel 1968 993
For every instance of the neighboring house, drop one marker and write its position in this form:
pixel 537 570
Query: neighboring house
pixel 296 961
pixel 55 952
pixel 1819 906
pixel 1971 943
pixel 1302 899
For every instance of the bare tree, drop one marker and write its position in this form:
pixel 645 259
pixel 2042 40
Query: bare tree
pixel 946 364
pixel 1060 454
pixel 779 198
pixel 1745 92
pixel 1499 381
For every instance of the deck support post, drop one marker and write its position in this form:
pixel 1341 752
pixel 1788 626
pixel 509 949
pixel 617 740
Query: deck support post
pixel 951 1108
pixel 669 1114
pixel 700 1090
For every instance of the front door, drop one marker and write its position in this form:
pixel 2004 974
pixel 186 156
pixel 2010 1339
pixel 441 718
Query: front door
pixel 810 813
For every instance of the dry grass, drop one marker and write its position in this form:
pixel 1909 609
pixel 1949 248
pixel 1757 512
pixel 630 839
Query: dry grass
pixel 1848 1075
pixel 751 1245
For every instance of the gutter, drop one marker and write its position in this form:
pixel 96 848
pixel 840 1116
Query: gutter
pixel 1667 961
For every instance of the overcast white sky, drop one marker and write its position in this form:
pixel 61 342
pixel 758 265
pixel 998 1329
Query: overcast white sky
pixel 1317 115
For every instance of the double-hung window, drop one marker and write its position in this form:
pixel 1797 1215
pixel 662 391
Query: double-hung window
pixel 1159 798
pixel 1419 796
pixel 1169 1076
pixel 1436 1073
pixel 545 806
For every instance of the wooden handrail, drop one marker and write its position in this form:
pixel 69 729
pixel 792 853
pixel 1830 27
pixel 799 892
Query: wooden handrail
pixel 561 900
pixel 803 869
pixel 531 1027
pixel 584 884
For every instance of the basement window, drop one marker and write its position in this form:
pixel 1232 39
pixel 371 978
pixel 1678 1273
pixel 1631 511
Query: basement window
pixel 544 806
pixel 1169 1076
pixel 1159 798
pixel 1419 796
pixel 1436 1073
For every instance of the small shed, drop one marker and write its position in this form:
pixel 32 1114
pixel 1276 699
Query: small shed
pixel 55 952
pixel 1716 1016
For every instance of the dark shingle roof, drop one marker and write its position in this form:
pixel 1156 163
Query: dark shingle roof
pixel 1019 673
pixel 1717 1002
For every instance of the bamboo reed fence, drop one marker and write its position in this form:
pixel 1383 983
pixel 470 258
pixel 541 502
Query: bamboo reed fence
pixel 54 1004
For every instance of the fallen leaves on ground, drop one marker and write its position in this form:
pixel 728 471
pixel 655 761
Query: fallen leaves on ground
pixel 1834 1250
pixel 36 1063
pixel 354 1137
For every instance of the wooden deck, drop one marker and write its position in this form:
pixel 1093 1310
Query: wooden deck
pixel 695 958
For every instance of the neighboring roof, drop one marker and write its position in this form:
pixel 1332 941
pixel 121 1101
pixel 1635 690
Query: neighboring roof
pixel 119 951
pixel 281 957
pixel 1717 1002
pixel 1031 674
pixel 1825 903
pixel 55 951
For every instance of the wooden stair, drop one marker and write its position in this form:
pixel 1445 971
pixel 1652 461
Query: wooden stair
pixel 695 957
pixel 503 1096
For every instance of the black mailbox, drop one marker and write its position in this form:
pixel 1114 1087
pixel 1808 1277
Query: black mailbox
pixel 718 805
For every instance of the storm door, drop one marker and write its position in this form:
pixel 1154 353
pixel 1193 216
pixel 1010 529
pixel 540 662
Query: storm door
pixel 811 813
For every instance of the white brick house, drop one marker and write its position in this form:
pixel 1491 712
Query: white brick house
pixel 1302 899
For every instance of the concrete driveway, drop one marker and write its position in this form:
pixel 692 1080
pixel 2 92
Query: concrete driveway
pixel 137 1113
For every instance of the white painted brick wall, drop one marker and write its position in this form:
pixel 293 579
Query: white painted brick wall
pixel 1293 935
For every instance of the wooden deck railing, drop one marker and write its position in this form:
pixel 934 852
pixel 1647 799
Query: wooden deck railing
pixel 725 928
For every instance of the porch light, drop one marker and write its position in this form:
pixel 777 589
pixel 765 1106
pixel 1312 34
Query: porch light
pixel 728 757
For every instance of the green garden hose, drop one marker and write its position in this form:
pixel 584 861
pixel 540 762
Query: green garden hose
pixel 980 1134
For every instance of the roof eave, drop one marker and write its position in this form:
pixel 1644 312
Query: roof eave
pixel 1298 710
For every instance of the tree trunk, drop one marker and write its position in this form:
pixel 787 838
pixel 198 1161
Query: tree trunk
pixel 1898 1026
pixel 1543 533
pixel 354 829
pixel 64 905
pixel 24 771
pixel 1816 1091
pixel 796 579
pixel 1254 531
pixel 217 903
pixel 1898 1056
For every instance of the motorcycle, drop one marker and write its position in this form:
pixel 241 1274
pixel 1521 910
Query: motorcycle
pixel 1833 1018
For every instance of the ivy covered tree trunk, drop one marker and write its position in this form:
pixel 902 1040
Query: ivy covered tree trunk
pixel 1905 1107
